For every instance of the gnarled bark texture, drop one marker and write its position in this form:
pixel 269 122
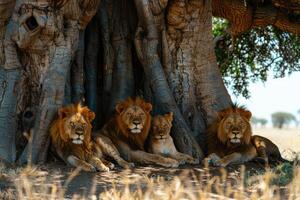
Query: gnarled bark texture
pixel 160 49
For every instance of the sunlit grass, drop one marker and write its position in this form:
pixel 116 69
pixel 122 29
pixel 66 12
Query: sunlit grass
pixel 282 182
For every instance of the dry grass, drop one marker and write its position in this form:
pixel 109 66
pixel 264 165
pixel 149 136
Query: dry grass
pixel 35 184
pixel 282 182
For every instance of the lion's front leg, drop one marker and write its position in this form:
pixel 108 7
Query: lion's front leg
pixel 108 148
pixel 96 162
pixel 230 159
pixel 76 162
pixel 148 158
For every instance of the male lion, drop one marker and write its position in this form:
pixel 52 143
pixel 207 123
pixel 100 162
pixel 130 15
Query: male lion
pixel 128 131
pixel 71 139
pixel 160 141
pixel 230 139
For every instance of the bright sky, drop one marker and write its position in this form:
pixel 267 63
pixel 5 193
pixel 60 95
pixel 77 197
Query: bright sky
pixel 280 94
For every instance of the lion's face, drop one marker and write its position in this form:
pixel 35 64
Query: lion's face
pixel 161 126
pixel 76 123
pixel 134 115
pixel 234 126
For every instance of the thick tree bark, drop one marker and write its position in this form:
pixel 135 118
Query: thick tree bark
pixel 50 60
pixel 192 70
pixel 148 39
pixel 8 118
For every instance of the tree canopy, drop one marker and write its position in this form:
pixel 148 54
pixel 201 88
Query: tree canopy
pixel 251 49
pixel 253 55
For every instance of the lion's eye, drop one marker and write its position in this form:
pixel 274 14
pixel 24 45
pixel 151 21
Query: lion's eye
pixel 228 126
pixel 72 124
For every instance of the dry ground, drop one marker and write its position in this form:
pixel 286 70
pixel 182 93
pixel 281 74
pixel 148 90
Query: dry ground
pixel 57 181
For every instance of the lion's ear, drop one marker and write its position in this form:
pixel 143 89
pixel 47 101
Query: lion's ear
pixel 63 112
pixel 169 117
pixel 247 114
pixel 120 107
pixel 88 114
pixel 221 115
pixel 147 107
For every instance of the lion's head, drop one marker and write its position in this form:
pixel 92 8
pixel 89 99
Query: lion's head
pixel 161 126
pixel 134 119
pixel 234 126
pixel 73 124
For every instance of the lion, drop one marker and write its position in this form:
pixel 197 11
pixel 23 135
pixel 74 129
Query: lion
pixel 267 150
pixel 71 139
pixel 230 140
pixel 160 141
pixel 128 130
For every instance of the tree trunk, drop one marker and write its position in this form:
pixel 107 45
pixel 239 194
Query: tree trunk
pixel 159 49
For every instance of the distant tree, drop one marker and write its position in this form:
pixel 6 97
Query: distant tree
pixel 256 121
pixel 279 119
pixel 263 122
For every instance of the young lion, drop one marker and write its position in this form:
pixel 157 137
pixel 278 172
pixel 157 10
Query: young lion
pixel 71 139
pixel 160 141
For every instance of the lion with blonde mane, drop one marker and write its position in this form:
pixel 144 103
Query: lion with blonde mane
pixel 128 130
pixel 71 139
pixel 230 140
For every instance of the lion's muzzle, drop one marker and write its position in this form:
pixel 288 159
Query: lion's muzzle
pixel 235 136
pixel 136 127
pixel 78 135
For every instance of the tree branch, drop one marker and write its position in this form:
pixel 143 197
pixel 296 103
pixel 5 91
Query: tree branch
pixel 244 17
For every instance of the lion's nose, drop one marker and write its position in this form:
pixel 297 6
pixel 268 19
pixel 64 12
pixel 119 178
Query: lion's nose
pixel 235 132
pixel 79 130
pixel 136 122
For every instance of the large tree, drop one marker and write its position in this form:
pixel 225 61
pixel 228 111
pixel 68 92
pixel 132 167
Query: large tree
pixel 159 49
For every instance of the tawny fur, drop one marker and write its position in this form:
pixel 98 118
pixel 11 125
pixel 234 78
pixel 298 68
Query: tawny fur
pixel 85 155
pixel 160 141
pixel 130 141
pixel 222 151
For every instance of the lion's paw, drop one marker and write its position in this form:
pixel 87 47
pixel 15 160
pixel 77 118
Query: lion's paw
pixel 89 168
pixel 110 165
pixel 193 161
pixel 168 162
pixel 127 165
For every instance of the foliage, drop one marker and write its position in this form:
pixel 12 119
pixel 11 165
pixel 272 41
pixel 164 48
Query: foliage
pixel 284 174
pixel 279 119
pixel 254 55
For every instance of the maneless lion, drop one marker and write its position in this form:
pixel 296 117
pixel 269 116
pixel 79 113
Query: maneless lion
pixel 128 131
pixel 230 139
pixel 160 141
pixel 71 139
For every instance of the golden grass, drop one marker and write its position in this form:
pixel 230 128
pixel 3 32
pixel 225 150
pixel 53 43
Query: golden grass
pixel 35 184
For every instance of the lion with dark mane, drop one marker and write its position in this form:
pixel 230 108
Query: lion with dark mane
pixel 71 139
pixel 230 140
pixel 128 130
